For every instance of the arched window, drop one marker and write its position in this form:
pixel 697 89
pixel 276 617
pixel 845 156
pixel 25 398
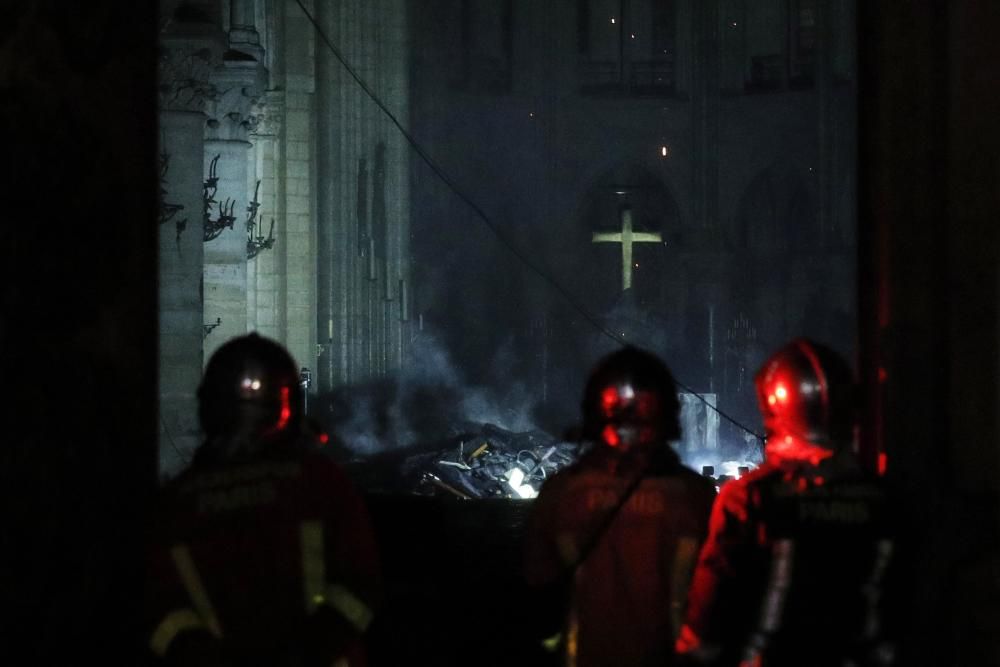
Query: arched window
pixel 803 21
pixel 773 42
pixel 626 46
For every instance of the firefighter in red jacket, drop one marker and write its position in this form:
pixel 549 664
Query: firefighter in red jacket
pixel 793 569
pixel 618 532
pixel 262 552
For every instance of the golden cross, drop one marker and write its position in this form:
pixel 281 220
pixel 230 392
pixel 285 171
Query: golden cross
pixel 627 237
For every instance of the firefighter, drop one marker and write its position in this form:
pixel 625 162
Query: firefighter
pixel 616 534
pixel 261 551
pixel 793 569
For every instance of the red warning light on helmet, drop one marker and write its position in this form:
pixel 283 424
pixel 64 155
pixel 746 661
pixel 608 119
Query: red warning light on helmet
pixel 778 395
pixel 286 409
pixel 609 400
pixel 610 436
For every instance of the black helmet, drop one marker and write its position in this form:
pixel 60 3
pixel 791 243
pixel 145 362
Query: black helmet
pixel 250 391
pixel 806 392
pixel 631 398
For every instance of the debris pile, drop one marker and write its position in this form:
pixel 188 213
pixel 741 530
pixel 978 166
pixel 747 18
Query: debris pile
pixel 483 462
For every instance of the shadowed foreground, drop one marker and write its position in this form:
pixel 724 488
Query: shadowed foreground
pixel 452 578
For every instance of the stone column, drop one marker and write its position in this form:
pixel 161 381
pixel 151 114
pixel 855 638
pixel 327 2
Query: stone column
pixel 265 270
pixel 397 89
pixel 334 156
pixel 350 128
pixel 297 184
pixel 826 134
pixel 243 35
pixel 684 47
pixel 359 318
pixel 705 110
pixel 329 193
pixel 188 55
pixel 227 134
pixel 241 16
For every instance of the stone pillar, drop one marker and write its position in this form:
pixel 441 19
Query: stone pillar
pixel 684 49
pixel 732 27
pixel 241 16
pixel 265 271
pixel 825 119
pixel 225 268
pixel 243 35
pixel 373 287
pixel 187 56
pixel 397 89
pixel 705 109
pixel 361 211
pixel 710 294
pixel 225 256
pixel 328 193
pixel 299 180
pixel 337 248
pixel 350 128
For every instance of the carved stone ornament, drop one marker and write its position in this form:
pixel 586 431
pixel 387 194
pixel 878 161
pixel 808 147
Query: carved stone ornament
pixel 269 110
pixel 231 114
pixel 185 79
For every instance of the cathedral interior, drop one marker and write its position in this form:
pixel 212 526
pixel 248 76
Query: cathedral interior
pixel 447 210
pixel 479 269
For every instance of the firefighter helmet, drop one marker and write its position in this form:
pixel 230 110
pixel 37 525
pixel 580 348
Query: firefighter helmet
pixel 806 393
pixel 250 390
pixel 631 399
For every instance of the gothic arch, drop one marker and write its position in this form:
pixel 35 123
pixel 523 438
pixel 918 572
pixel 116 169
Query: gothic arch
pixel 652 199
pixel 598 268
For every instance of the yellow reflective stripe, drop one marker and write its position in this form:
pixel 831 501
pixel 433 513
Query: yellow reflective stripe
pixel 350 606
pixel 314 587
pixel 566 548
pixel 313 564
pixel 172 625
pixel 195 589
pixel 680 580
pixel 572 638
pixel 551 644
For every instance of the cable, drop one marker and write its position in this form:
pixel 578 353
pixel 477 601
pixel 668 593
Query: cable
pixel 441 174
pixel 185 459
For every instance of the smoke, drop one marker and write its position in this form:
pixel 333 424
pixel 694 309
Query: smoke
pixel 428 401
pixel 432 400
pixel 511 412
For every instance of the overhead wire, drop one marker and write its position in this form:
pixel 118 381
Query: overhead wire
pixel 485 219
pixel 173 445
